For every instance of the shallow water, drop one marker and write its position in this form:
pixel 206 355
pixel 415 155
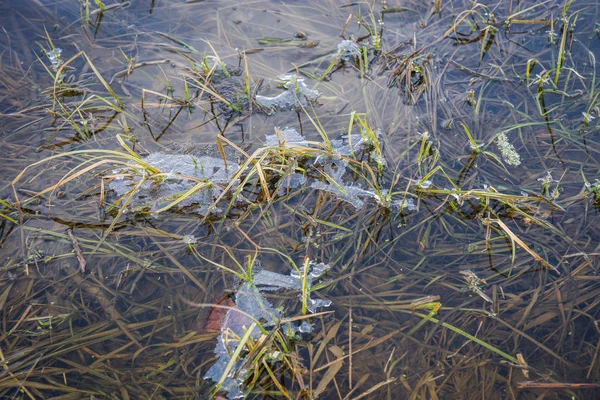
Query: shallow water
pixel 131 321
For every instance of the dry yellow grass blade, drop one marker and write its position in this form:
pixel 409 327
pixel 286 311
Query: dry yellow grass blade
pixel 96 72
pixel 514 238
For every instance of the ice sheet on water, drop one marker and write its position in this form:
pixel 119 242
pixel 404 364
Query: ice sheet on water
pixel 249 302
pixel 349 145
pixel 297 95
pixel 335 170
pixel 54 57
pixel 349 194
pixel 287 137
pixel 228 82
pixel 182 172
pixel 272 281
pixel 203 167
pixel 269 281
pixel 404 204
pixel 348 50
pixel 252 306
pixel 357 145
pixel 292 181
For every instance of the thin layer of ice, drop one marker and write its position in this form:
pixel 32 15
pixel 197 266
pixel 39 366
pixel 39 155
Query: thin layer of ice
pixel 252 306
pixel 204 167
pixel 292 181
pixel 348 145
pixel 349 194
pixel 189 239
pixel 268 281
pixel 404 204
pixel 335 170
pixel 249 302
pixel 356 145
pixel 227 81
pixel 348 50
pixel 181 173
pixel 297 95
pixel 287 137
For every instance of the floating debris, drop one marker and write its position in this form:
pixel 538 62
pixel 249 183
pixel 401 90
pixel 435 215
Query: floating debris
pixel 297 95
pixel 476 284
pixel 251 306
pixel 179 174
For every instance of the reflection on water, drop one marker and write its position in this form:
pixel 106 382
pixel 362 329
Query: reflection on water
pixel 441 156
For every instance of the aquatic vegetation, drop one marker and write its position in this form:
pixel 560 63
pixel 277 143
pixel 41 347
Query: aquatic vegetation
pixel 55 62
pixel 452 272
pixel 509 154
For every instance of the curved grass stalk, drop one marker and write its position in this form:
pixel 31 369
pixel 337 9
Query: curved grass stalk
pixel 453 328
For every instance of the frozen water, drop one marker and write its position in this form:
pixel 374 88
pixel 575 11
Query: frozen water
pixel 404 204
pixel 249 302
pixel 204 167
pixel 426 184
pixel 227 81
pixel 356 145
pixel 314 304
pixel 335 170
pixel 297 94
pixel 55 60
pixel 348 194
pixel 292 181
pixel 305 327
pixel 287 137
pixel 54 57
pixel 252 306
pixel 269 281
pixel 182 173
pixel 189 239
pixel 348 50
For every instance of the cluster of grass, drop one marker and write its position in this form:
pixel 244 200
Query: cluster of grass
pixel 489 286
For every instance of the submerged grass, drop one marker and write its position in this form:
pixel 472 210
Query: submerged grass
pixel 463 274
